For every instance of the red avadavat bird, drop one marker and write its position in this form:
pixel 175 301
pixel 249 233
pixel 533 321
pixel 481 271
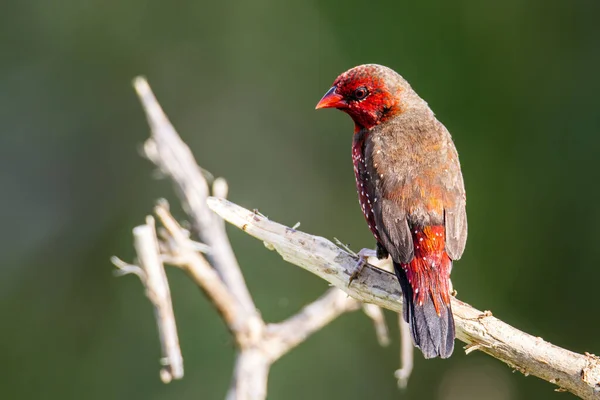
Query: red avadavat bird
pixel 411 192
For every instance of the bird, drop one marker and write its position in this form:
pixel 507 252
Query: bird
pixel 411 192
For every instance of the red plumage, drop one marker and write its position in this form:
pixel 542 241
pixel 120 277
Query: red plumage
pixel 430 265
pixel 411 193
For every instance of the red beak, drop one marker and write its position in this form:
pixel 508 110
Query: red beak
pixel 331 100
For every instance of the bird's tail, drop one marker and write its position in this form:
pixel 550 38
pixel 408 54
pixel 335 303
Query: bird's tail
pixel 427 304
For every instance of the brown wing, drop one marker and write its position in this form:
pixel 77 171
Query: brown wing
pixel 391 223
pixel 394 232
pixel 455 214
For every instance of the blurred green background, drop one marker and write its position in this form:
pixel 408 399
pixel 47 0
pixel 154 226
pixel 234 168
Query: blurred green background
pixel 516 82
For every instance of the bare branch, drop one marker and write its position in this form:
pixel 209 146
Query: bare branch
pixel 371 310
pixel 284 336
pixel 124 268
pixel 577 373
pixel 279 338
pixel 174 158
pixel 249 376
pixel 157 290
pixel 407 351
pixel 220 188
pixel 376 315
pixel 259 346
pixel 185 255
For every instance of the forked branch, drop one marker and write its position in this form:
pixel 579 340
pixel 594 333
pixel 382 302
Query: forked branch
pixel 213 266
pixel 577 373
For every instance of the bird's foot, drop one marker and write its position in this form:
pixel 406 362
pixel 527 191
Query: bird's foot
pixel 363 258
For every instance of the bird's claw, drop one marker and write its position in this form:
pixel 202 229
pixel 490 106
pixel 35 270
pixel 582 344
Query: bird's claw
pixel 363 258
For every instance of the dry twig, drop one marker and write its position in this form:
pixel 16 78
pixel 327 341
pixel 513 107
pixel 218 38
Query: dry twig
pixel 407 350
pixel 154 279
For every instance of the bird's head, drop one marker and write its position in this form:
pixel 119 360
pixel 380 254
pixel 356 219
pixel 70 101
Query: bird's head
pixel 370 94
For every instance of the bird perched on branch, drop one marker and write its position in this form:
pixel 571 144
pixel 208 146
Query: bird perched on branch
pixel 411 192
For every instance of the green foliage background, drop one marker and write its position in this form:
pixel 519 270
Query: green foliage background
pixel 516 82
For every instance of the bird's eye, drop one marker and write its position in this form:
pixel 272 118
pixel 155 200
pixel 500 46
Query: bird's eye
pixel 361 93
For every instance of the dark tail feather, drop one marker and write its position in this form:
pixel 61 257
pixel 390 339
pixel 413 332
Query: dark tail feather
pixel 433 334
